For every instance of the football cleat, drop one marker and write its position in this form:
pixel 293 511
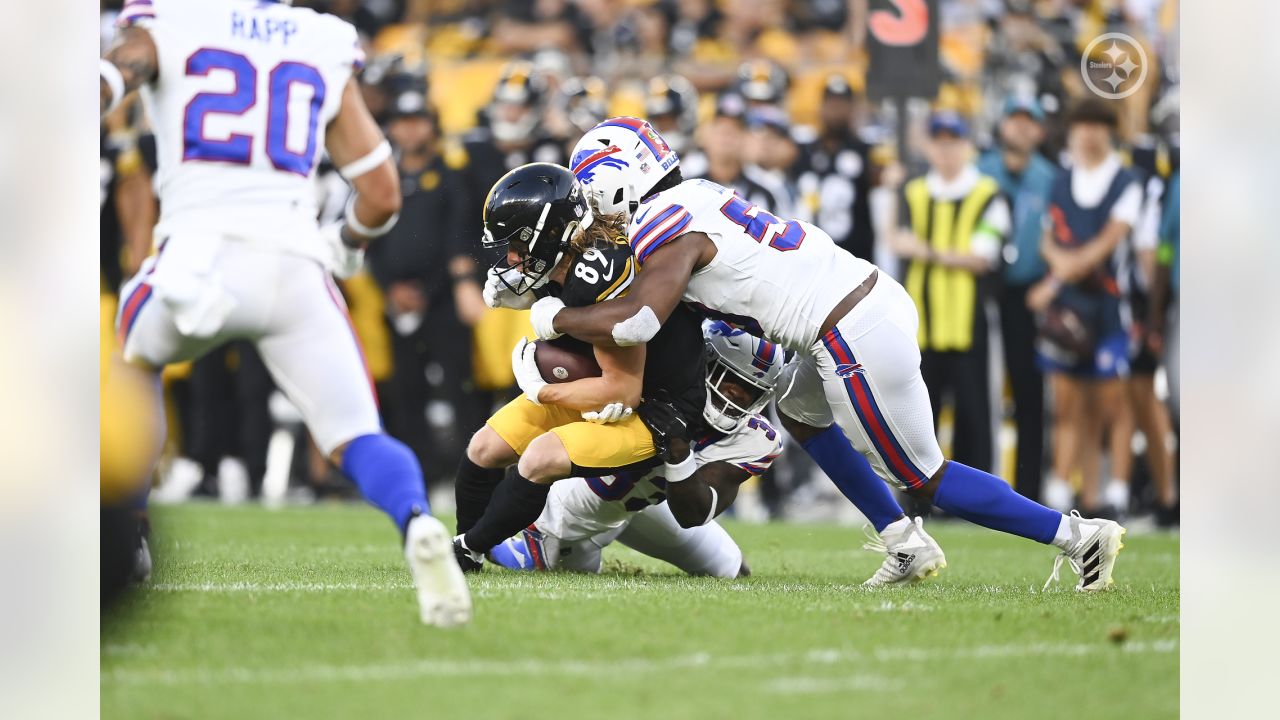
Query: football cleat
pixel 469 560
pixel 142 561
pixel 910 554
pixel 142 552
pixel 1095 543
pixel 443 597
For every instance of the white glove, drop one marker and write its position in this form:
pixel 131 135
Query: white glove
pixel 498 295
pixel 344 261
pixel 526 369
pixel 542 315
pixel 611 413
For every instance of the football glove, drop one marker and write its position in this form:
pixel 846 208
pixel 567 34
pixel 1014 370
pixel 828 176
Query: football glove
pixel 344 260
pixel 611 413
pixel 668 426
pixel 497 294
pixel 523 364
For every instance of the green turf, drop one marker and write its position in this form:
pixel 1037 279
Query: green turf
pixel 308 613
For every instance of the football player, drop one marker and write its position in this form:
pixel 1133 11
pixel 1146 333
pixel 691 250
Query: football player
pixel 734 443
pixel 243 97
pixel 853 327
pixel 584 427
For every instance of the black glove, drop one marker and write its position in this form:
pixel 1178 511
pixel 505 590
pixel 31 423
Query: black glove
pixel 665 423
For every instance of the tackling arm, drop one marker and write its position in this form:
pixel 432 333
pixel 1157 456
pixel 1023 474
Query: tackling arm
pixel 705 494
pixel 129 64
pixel 364 158
pixel 656 291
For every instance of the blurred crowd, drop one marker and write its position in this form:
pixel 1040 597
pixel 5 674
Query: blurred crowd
pixel 770 97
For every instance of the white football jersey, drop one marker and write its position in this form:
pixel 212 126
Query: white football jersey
pixel 244 93
pixel 585 507
pixel 775 278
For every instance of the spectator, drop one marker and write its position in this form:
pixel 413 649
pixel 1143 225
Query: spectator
pixel 723 140
pixel 1084 344
pixel 836 172
pixel 952 231
pixel 430 284
pixel 1144 410
pixel 771 149
pixel 1162 336
pixel 1025 177
pixel 671 106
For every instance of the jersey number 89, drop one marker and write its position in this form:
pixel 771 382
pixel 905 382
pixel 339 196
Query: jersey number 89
pixel 237 148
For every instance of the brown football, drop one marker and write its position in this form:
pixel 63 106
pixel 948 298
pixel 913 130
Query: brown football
pixel 559 365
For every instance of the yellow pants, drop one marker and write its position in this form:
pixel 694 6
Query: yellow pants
pixel 590 445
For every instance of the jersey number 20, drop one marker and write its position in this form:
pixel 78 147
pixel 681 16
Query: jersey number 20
pixel 237 148
pixel 756 223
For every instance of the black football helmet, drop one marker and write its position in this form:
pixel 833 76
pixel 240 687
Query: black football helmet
pixel 535 211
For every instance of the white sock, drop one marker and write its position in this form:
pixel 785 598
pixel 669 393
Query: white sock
pixel 897 526
pixel 1062 539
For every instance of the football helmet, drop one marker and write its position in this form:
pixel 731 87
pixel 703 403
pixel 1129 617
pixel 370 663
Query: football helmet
pixel 517 102
pixel 744 359
pixel 671 104
pixel 762 81
pixel 534 210
pixel 585 101
pixel 619 161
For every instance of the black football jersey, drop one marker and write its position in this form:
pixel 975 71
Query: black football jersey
pixel 674 359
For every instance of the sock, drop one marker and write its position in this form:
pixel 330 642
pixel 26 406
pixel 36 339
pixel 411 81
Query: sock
pixel 473 487
pixel 517 503
pixel 853 475
pixel 512 554
pixel 388 476
pixel 1062 538
pixel 986 500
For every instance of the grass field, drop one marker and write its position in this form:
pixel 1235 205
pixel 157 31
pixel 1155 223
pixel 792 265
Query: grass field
pixel 308 612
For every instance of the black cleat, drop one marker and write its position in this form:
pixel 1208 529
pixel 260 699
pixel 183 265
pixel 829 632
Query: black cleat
pixel 468 560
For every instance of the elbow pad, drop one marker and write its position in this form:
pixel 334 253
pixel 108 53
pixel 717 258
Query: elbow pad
pixel 637 329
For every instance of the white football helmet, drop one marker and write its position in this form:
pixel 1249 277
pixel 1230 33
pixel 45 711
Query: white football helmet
pixel 619 161
pixel 744 359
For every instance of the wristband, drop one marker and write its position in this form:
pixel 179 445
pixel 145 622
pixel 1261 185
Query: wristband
pixel 682 470
pixel 110 74
pixel 354 223
pixel 356 168
pixel 711 514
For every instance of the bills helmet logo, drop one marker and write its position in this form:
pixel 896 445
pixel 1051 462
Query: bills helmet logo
pixel 586 161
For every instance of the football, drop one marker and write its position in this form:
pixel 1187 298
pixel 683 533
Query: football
pixel 559 365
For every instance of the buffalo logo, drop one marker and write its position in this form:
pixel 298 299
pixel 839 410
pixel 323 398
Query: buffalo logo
pixel 585 161
pixel 845 371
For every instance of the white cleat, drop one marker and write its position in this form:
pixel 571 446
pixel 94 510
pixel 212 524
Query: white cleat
pixel 1094 546
pixel 910 554
pixel 443 597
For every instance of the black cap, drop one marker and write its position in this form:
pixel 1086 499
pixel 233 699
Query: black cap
pixel 411 103
pixel 731 105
